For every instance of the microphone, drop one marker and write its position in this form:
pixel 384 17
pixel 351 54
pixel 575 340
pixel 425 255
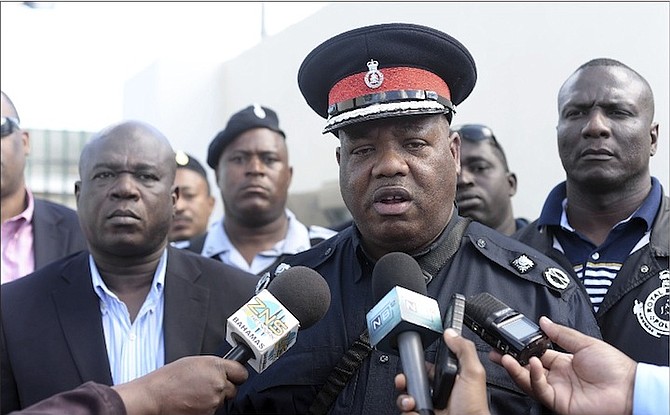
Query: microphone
pixel 404 319
pixel 267 325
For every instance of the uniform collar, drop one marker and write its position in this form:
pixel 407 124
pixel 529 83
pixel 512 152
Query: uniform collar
pixel 553 211
pixel 296 239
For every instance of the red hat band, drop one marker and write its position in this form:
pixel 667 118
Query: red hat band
pixel 391 79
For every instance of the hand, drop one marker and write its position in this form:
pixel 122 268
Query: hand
pixel 190 385
pixel 468 397
pixel 596 378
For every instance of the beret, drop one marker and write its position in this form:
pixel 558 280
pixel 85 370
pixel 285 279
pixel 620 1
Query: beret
pixel 186 161
pixel 386 70
pixel 253 116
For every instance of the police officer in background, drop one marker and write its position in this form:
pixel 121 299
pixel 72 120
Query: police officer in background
pixel 486 185
pixel 250 158
pixel 388 92
pixel 195 202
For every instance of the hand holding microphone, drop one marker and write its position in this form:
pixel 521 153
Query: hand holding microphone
pixel 267 325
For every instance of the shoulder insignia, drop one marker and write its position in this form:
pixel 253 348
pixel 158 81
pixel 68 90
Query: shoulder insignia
pixel 557 278
pixel 523 264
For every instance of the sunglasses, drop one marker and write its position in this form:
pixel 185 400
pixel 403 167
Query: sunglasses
pixel 9 125
pixel 475 132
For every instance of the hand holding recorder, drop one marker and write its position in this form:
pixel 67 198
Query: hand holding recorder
pixel 595 378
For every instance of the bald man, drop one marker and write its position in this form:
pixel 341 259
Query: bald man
pixel 129 304
pixel 608 221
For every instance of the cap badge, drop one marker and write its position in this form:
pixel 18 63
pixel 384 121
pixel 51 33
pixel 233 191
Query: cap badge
pixel 523 264
pixel 556 278
pixel 374 78
pixel 259 111
pixel 182 158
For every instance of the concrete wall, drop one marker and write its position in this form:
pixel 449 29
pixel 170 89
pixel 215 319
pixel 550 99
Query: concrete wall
pixel 523 50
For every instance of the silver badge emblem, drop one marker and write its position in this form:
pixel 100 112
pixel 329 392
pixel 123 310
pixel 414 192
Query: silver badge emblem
pixel 263 282
pixel 374 78
pixel 281 268
pixel 654 314
pixel 556 278
pixel 259 111
pixel 523 264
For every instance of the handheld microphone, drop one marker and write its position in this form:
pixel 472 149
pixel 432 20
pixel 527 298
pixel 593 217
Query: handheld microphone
pixel 504 328
pixel 404 319
pixel 267 325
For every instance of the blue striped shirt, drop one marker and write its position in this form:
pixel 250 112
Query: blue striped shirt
pixel 137 348
pixel 598 266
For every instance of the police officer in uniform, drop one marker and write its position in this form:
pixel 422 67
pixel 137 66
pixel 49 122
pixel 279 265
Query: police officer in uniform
pixel 388 92
pixel 251 162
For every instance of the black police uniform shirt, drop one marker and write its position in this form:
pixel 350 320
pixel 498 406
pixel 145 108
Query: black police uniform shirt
pixel 634 313
pixel 486 261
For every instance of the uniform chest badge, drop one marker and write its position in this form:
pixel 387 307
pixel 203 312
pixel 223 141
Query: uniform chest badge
pixel 281 268
pixel 523 264
pixel 266 278
pixel 654 314
pixel 557 278
pixel 374 78
pixel 263 282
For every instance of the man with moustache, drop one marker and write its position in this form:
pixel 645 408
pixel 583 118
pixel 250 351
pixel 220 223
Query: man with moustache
pixel 130 303
pixel 388 92
pixel 195 203
pixel 607 223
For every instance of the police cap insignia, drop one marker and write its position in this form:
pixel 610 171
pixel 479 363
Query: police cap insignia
pixel 253 116
pixel 386 70
pixel 184 161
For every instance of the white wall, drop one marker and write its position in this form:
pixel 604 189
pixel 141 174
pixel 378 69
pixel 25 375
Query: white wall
pixel 523 51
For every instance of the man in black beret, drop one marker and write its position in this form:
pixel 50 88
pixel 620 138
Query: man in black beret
pixel 250 158
pixel 195 202
pixel 389 93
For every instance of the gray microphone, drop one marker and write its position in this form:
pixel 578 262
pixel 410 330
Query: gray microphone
pixel 404 320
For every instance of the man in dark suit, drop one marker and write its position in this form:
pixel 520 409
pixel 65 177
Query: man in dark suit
pixel 35 232
pixel 131 303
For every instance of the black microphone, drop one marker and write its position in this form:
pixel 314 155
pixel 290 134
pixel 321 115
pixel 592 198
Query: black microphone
pixel 504 328
pixel 404 319
pixel 267 325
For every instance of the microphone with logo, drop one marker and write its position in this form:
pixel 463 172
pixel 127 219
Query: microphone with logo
pixel 404 320
pixel 267 325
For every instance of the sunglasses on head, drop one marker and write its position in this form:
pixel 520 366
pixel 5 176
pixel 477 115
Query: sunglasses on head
pixel 9 125
pixel 475 132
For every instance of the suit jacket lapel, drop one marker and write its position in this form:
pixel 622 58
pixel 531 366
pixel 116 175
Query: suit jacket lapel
pixel 47 235
pixel 186 306
pixel 78 311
